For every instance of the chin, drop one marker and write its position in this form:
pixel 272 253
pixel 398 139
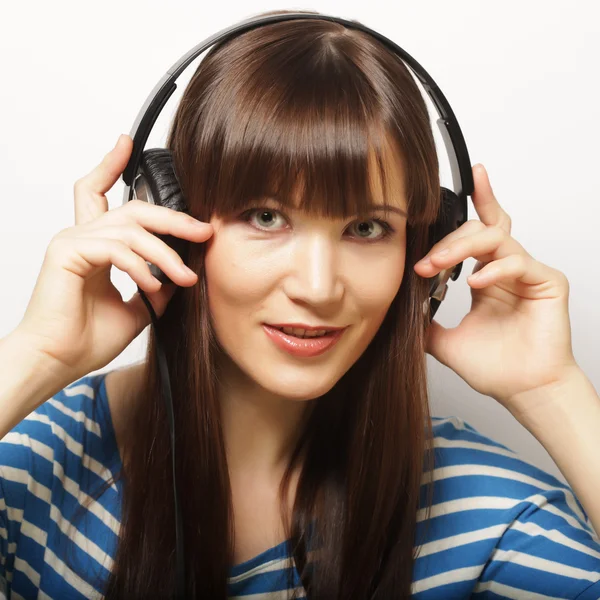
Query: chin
pixel 301 388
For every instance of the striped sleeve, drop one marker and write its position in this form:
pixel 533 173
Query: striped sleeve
pixel 50 464
pixel 547 549
pixel 506 528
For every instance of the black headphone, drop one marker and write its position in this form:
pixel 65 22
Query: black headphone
pixel 150 176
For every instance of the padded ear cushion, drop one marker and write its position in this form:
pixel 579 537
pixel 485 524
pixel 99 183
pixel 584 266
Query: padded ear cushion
pixel 157 166
pixel 158 173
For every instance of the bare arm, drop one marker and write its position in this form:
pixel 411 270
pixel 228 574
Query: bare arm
pixel 568 427
pixel 28 378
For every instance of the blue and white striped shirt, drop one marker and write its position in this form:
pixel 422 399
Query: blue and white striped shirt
pixel 501 527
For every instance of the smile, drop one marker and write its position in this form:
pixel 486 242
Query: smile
pixel 303 346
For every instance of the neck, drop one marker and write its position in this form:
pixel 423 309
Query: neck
pixel 261 429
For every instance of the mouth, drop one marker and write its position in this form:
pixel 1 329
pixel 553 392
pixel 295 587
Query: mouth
pixel 306 331
pixel 318 333
pixel 308 346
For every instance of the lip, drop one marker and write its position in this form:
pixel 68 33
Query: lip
pixel 304 347
pixel 303 326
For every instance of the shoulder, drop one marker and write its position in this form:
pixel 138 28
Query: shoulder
pixel 74 424
pixel 121 387
pixel 466 456
pixel 506 525
pixel 82 422
pixel 65 446
pixel 60 460
pixel 471 465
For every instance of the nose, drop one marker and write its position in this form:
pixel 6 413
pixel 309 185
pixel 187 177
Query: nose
pixel 314 272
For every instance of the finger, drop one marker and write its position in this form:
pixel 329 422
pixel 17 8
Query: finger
pixel 536 277
pixel 90 201
pixel 509 267
pixel 435 344
pixel 159 219
pixel 486 204
pixel 492 243
pixel 149 247
pixel 468 228
pixel 95 254
pixel 104 176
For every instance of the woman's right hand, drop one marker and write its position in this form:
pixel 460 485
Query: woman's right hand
pixel 75 315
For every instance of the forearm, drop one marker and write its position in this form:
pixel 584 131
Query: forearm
pixel 567 424
pixel 27 379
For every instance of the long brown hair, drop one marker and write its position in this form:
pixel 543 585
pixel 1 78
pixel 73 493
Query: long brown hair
pixel 295 107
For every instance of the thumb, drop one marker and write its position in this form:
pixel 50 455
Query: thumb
pixel 89 191
pixel 105 175
pixel 437 342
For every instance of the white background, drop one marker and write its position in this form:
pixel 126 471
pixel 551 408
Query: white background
pixel 521 77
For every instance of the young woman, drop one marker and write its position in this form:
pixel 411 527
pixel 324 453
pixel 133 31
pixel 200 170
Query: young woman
pixel 305 153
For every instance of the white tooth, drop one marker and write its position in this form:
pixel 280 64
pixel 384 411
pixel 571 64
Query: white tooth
pixel 287 330
pixel 298 332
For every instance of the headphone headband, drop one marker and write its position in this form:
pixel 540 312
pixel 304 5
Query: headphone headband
pixel 460 164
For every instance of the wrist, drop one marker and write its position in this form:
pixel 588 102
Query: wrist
pixel 540 409
pixel 565 419
pixel 26 351
pixel 28 377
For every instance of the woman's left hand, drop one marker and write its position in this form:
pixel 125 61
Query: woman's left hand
pixel 517 335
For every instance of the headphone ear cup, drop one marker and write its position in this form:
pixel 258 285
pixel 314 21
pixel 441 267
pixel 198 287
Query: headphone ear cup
pixel 157 183
pixel 451 216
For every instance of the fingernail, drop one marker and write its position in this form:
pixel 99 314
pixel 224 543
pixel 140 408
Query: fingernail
pixel 121 137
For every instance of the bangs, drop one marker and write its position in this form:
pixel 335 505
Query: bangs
pixel 323 160
pixel 293 125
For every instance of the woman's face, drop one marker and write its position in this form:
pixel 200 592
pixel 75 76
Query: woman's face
pixel 285 266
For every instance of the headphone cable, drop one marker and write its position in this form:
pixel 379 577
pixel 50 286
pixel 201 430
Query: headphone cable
pixel 166 392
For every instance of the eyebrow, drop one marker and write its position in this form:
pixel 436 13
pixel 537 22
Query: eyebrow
pixel 369 207
pixel 388 207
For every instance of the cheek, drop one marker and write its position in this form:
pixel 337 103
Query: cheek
pixel 375 289
pixel 240 276
pixel 235 280
pixel 377 282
